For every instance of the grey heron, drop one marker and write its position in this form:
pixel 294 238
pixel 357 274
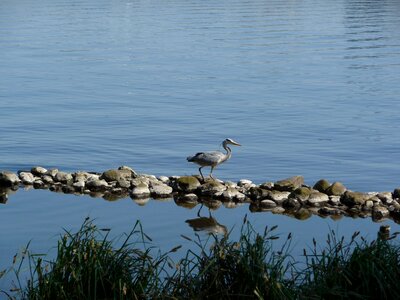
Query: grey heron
pixel 213 158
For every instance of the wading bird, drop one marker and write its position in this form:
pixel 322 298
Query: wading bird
pixel 213 158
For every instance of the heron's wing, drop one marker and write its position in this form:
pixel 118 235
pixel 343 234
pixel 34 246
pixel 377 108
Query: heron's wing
pixel 207 158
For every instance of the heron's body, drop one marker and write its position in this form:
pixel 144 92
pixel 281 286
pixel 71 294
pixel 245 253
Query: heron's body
pixel 213 158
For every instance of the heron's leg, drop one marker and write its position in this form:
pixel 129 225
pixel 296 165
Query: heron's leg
pixel 198 213
pixel 212 168
pixel 201 173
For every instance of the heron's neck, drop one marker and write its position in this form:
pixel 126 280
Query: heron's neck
pixel 228 151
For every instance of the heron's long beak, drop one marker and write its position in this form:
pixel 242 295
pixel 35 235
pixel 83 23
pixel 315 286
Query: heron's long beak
pixel 236 144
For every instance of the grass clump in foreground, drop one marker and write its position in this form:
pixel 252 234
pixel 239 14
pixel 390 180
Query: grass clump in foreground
pixel 89 265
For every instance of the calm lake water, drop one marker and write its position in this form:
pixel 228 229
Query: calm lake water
pixel 307 87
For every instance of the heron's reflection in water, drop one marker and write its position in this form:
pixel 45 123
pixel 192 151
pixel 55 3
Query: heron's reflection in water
pixel 207 224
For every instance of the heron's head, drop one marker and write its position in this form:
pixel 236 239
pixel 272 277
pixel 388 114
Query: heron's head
pixel 231 142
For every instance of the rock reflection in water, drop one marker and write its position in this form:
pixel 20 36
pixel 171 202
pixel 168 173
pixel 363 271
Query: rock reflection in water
pixel 4 193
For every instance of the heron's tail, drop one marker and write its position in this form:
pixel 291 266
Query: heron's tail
pixel 190 158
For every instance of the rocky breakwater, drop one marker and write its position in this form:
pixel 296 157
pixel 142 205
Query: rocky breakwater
pixel 289 196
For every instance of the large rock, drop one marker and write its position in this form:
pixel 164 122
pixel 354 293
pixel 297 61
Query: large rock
pixel 380 212
pixel 116 175
pixel 140 191
pixel 98 185
pixel 336 189
pixel 317 199
pixel 27 178
pixel 187 184
pixel 8 179
pixel 63 177
pixel 278 196
pixel 38 171
pixel 289 184
pixel 385 197
pixel 257 193
pixel 211 188
pixel 302 194
pixel 354 198
pixel 321 185
pixel 160 190
pixel 231 194
pixel 267 204
pixel 134 174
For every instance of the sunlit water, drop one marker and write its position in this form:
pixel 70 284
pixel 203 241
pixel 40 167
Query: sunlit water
pixel 307 87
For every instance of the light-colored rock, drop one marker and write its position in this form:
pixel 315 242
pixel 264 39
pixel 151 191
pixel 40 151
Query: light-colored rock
pixel 8 179
pixel 164 179
pixel 233 194
pixel 63 177
pixel 334 200
pixel 317 199
pixel 278 196
pixel 380 212
pixel 369 204
pixel 244 182
pixel 52 172
pixel 79 185
pixel 38 171
pixel 267 203
pixel 386 197
pixel 140 191
pixel 134 174
pixel 160 190
pixel 27 177
pixel 47 179
pixel 97 185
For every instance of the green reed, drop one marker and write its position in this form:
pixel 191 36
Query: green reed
pixel 354 269
pixel 91 265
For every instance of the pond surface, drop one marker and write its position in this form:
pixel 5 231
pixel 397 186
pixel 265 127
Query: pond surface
pixel 307 87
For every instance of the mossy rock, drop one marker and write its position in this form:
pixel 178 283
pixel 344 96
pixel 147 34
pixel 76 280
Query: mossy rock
pixel 116 175
pixel 289 184
pixel 354 198
pixel 336 189
pixel 210 188
pixel 321 185
pixel 187 183
pixel 257 193
pixel 302 194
